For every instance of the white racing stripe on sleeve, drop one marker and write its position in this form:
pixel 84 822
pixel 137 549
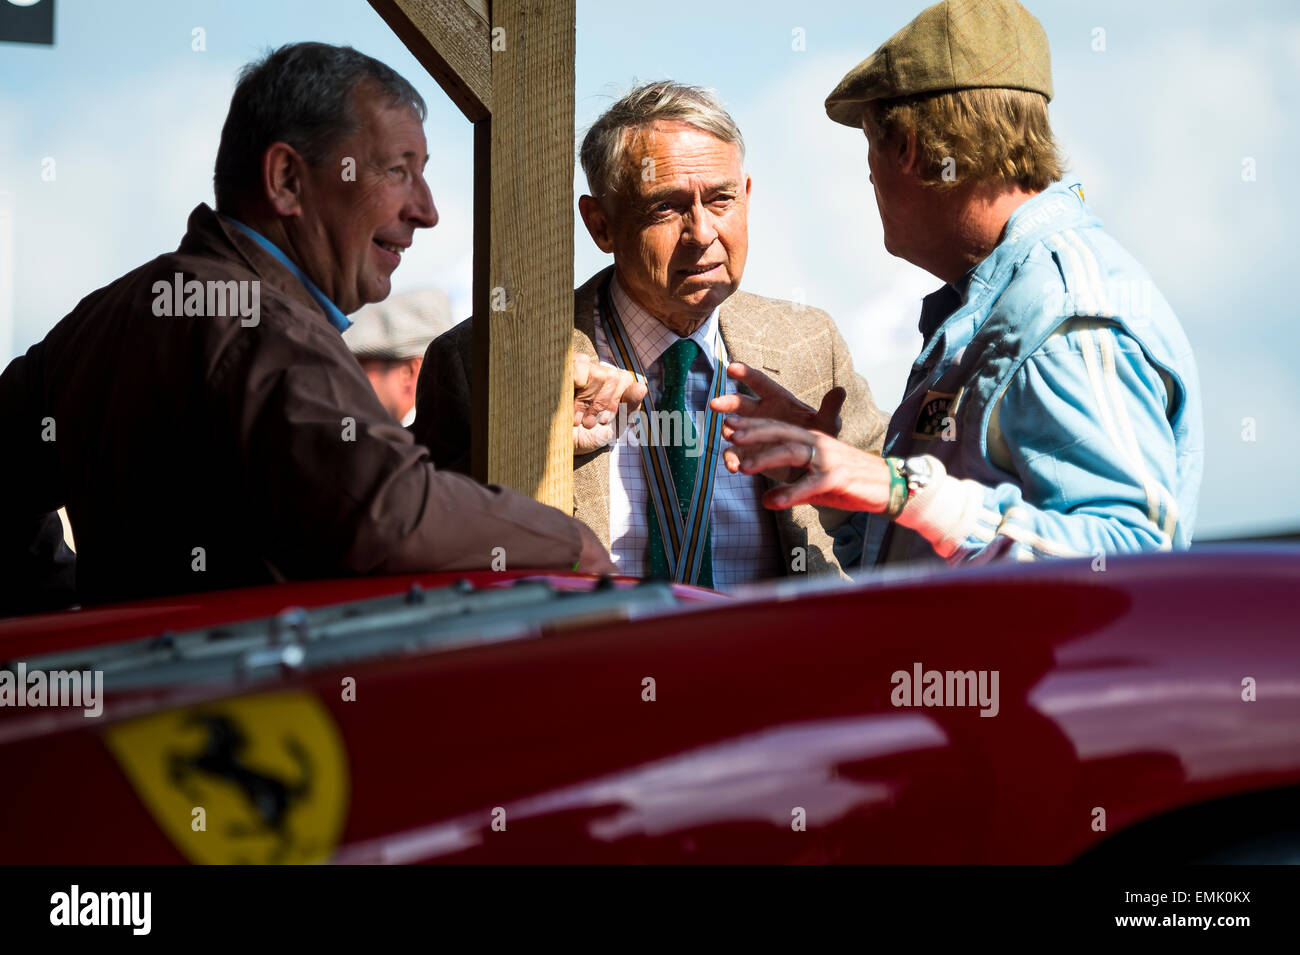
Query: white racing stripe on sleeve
pixel 1155 492
pixel 1097 287
pixel 1101 387
pixel 1171 517
pixel 1023 535
pixel 1093 366
pixel 1078 280
pixel 1088 278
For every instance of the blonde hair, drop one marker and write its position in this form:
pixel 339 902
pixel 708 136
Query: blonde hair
pixel 972 135
pixel 604 148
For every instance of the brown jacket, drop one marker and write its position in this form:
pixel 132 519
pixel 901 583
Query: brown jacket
pixel 263 445
pixel 799 347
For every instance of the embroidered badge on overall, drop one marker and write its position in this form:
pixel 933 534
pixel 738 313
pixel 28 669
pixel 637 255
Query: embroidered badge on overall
pixel 935 412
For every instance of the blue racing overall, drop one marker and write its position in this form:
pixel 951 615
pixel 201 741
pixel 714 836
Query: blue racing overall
pixel 1057 399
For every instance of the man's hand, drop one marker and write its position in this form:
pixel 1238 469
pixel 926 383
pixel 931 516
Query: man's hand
pixel 594 559
pixel 774 403
pixel 598 390
pixel 836 474
pixel 777 404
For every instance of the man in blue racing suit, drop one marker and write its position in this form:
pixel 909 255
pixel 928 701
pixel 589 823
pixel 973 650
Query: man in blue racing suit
pixel 1054 409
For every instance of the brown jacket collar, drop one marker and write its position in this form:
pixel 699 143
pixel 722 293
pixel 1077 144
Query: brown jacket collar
pixel 209 236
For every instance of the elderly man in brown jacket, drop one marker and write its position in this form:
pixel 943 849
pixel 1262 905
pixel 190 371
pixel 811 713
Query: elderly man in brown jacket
pixel 670 201
pixel 202 418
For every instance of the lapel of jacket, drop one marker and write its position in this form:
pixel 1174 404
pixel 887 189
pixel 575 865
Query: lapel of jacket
pixel 590 471
pixel 742 332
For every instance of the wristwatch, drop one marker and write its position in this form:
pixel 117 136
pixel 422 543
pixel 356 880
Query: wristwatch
pixel 919 472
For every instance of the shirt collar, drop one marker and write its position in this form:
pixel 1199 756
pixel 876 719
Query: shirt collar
pixel 938 306
pixel 332 311
pixel 651 337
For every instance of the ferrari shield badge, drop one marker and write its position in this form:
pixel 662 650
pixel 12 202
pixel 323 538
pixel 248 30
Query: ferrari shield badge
pixel 260 779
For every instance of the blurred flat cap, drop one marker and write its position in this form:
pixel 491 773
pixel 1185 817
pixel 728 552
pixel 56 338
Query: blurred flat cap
pixel 953 45
pixel 399 327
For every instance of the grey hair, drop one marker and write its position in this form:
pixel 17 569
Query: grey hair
pixel 301 94
pixel 604 149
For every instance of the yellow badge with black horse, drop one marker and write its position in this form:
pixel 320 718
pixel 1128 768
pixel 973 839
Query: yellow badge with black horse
pixel 258 779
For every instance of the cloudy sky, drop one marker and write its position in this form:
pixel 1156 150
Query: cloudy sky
pixel 1159 106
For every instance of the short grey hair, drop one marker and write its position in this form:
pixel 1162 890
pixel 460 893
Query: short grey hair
pixel 604 148
pixel 301 94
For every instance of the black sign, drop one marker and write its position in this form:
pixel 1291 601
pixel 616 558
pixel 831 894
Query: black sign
pixel 27 21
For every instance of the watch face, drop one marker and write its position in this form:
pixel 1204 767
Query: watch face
pixel 919 474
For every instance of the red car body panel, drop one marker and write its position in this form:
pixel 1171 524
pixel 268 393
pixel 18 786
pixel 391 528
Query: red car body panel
pixel 1120 690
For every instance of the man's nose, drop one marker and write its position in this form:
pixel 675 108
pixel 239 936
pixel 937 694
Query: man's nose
pixel 700 229
pixel 420 210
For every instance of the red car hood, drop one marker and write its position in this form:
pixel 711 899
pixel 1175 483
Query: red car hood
pixel 668 724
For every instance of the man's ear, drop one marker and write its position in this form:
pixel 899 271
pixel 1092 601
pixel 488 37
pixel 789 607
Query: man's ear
pixel 909 155
pixel 283 170
pixel 597 222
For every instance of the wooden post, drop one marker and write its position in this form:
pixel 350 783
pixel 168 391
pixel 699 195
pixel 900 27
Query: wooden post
pixel 510 70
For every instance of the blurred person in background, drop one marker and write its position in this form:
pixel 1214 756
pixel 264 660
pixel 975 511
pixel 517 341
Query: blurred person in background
pixel 389 339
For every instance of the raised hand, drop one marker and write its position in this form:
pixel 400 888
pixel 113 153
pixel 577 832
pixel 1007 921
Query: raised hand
pixel 777 404
pixel 835 474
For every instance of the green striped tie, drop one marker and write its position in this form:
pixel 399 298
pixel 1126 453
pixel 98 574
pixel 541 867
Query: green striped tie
pixel 677 362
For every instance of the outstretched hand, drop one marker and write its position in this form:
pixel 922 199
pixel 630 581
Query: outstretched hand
pixel 777 404
pixel 835 474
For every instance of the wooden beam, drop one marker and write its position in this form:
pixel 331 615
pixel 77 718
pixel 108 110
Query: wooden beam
pixel 523 427
pixel 451 39
pixel 509 66
pixel 480 370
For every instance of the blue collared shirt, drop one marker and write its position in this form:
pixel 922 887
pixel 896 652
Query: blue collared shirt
pixel 743 537
pixel 332 311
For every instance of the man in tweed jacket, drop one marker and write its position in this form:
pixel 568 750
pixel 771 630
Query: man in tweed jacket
pixel 670 201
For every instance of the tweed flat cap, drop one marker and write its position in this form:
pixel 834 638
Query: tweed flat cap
pixel 953 45
pixel 399 327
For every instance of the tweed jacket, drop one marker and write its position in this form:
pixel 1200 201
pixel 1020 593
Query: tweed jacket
pixel 797 346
